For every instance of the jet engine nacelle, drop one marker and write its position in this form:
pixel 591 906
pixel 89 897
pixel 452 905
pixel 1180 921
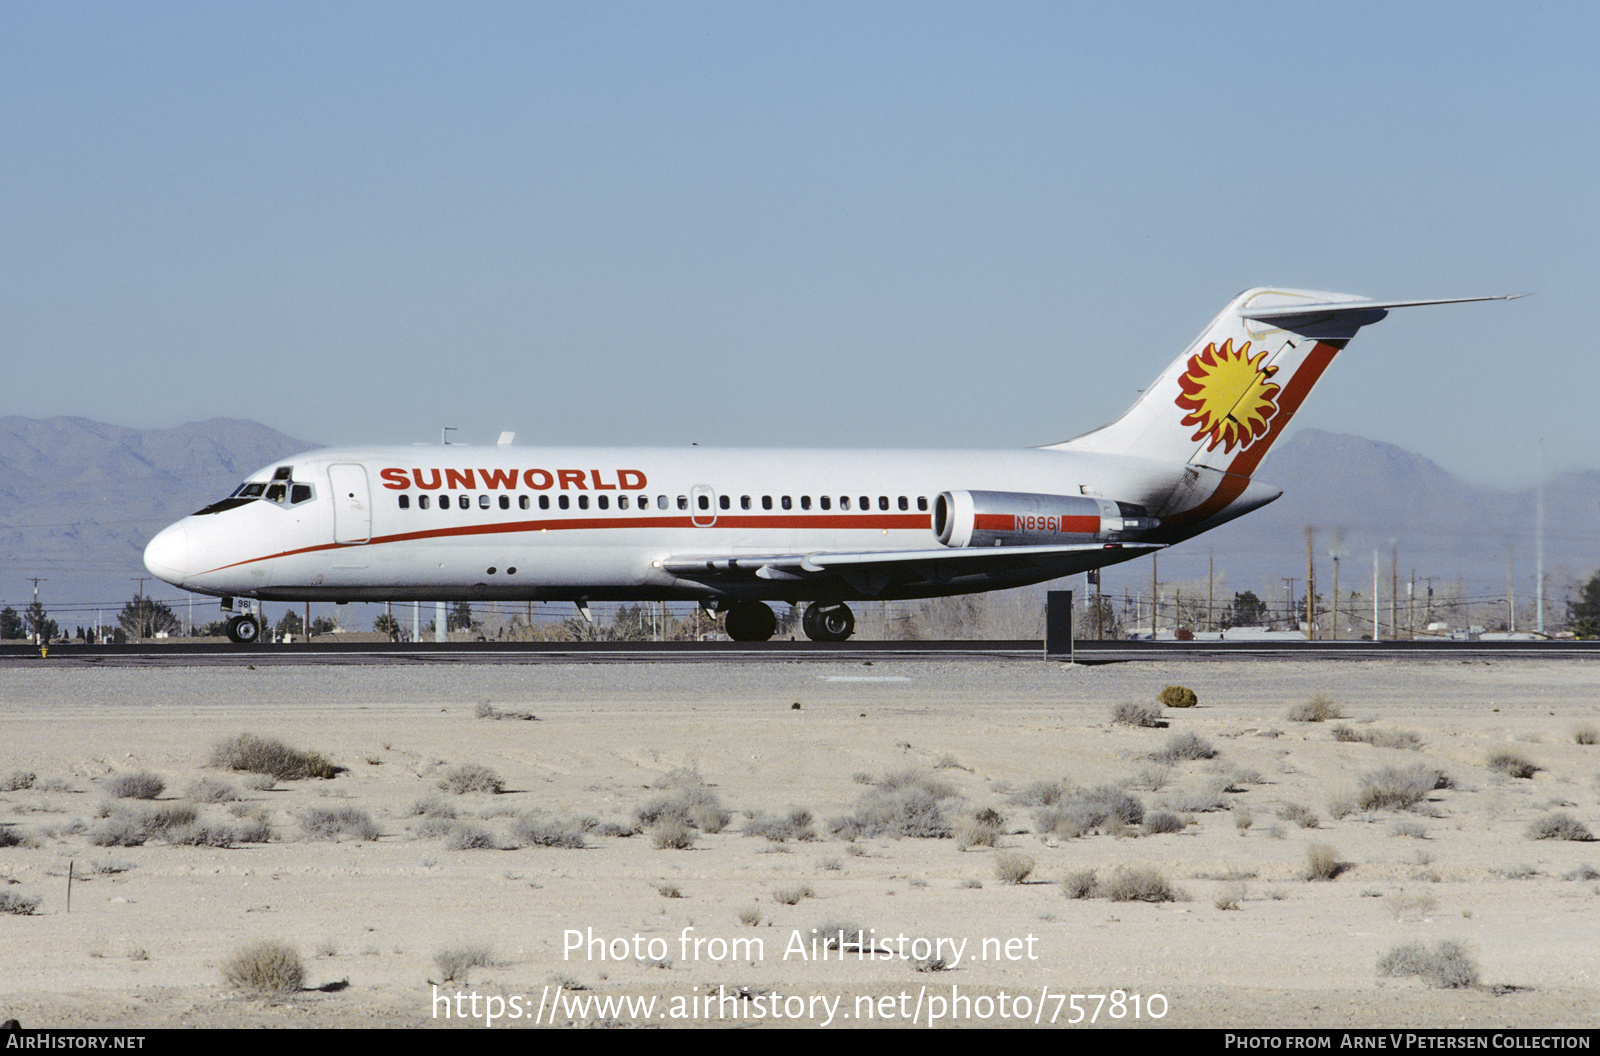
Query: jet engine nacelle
pixel 1008 518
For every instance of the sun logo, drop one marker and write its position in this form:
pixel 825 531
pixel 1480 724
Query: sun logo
pixel 1228 395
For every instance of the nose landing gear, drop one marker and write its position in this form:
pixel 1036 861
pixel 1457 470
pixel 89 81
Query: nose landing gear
pixel 244 630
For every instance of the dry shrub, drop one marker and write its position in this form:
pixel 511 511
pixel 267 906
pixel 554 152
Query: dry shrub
pixel 1012 868
pixel 1161 822
pixel 130 826
pixel 1104 808
pixel 265 968
pixel 1318 709
pixel 1131 714
pixel 791 894
pixel 1512 764
pixel 330 823
pixel 1585 734
pixel 797 824
pixel 18 905
pixel 532 830
pixel 1559 826
pixel 211 790
pixel 454 962
pixel 977 831
pixel 1298 814
pixel 1230 897
pixel 694 806
pixel 140 785
pixel 907 804
pixel 1394 788
pixel 471 777
pixel 260 755
pixel 840 934
pixel 1398 739
pixel 1181 747
pixel 1080 884
pixel 750 917
pixel 671 834
pixel 464 836
pixel 1322 863
pixel 1447 966
pixel 1138 883
pixel 18 781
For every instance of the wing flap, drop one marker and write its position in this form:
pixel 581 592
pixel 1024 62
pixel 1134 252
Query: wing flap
pixel 936 564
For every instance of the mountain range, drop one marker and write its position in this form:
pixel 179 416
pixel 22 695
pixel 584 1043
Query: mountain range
pixel 79 499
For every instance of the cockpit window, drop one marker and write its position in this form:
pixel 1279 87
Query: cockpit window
pixel 281 489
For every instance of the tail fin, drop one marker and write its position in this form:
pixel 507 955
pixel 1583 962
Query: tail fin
pixel 1223 402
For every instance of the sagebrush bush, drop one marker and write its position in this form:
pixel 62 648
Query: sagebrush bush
pixel 1012 868
pixel 1447 965
pixel 330 823
pixel 1394 788
pixel 901 809
pixel 454 962
pixel 1086 810
pixel 1322 862
pixel 1138 883
pixel 840 934
pixel 797 824
pixel 1512 764
pixel 694 806
pixel 1181 747
pixel 1080 884
pixel 791 894
pixel 18 780
pixel 211 790
pixel 140 785
pixel 1131 714
pixel 671 834
pixel 1300 815
pixel 1318 709
pixel 533 830
pixel 265 968
pixel 465 836
pixel 1559 826
pixel 1585 734
pixel 976 832
pixel 18 905
pixel 261 755
pixel 1161 822
pixel 1178 697
pixel 470 777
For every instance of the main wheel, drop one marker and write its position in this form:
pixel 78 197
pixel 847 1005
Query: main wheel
pixel 830 623
pixel 243 630
pixel 750 621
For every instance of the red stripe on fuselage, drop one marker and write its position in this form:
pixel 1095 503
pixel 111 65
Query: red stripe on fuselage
pixel 880 521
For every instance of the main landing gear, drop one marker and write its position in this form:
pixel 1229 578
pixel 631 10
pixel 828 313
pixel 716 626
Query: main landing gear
pixel 828 623
pixel 244 630
pixel 750 621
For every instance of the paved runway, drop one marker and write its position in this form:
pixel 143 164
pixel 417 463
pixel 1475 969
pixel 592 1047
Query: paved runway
pixel 180 654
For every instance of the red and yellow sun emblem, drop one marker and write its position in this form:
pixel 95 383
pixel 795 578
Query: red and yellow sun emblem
pixel 1228 395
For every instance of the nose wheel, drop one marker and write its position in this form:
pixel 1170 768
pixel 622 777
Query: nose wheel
pixel 828 623
pixel 750 621
pixel 244 630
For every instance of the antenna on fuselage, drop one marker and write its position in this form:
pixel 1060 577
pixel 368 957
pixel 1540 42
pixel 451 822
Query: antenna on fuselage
pixel 444 434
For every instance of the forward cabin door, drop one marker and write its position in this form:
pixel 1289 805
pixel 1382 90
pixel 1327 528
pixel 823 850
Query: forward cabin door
pixel 702 506
pixel 352 503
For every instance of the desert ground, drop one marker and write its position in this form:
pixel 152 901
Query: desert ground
pixel 383 909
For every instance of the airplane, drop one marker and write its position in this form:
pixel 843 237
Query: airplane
pixel 736 529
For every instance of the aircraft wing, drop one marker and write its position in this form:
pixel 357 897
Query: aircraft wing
pixel 872 571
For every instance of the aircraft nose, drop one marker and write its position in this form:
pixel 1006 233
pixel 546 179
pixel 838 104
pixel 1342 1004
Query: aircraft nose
pixel 167 556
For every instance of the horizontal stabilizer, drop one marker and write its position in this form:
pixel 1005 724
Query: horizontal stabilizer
pixel 1287 315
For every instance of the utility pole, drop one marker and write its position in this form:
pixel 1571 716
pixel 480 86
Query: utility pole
pixel 1211 623
pixel 1152 596
pixel 1311 590
pixel 1375 635
pixel 1336 597
pixel 37 632
pixel 1290 580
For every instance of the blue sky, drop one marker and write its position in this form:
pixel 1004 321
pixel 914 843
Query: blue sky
pixel 869 224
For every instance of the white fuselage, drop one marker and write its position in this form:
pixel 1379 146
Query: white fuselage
pixel 502 522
